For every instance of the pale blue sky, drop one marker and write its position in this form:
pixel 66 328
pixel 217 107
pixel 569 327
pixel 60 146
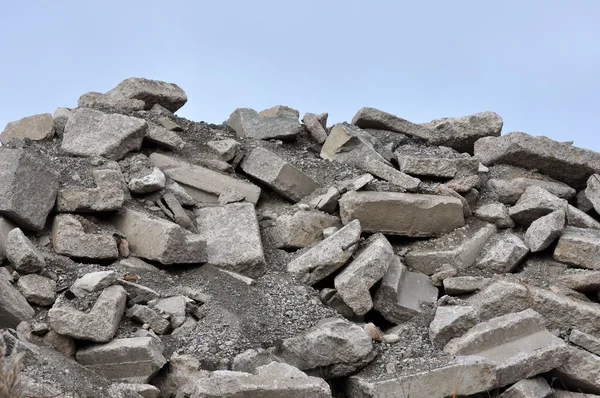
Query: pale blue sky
pixel 535 62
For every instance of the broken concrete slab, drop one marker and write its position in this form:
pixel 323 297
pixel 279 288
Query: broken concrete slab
pixel 179 214
pixel 464 184
pixel 459 285
pixel 138 294
pixel 585 341
pixel 202 184
pixel 159 240
pixel 502 254
pixel 143 390
pixel 180 193
pixel 536 202
pixel 151 181
pixel 226 149
pixel 99 324
pixel 303 228
pixel 450 322
pixel 104 103
pixel 28 187
pixel 368 267
pixel 388 173
pixel 327 202
pixel 327 256
pixel 395 213
pixel 585 281
pixel 70 239
pixel 592 191
pixel 543 231
pixel 559 160
pixel 36 128
pixel 495 213
pixel 579 371
pixel 174 307
pixel 579 247
pixel 278 174
pixel 529 388
pixel 509 191
pixel 5 227
pixel 37 289
pixel 266 125
pixel 376 119
pixel 22 254
pixel 232 237
pixel 14 308
pixel 402 293
pixel 144 314
pixel 439 162
pixel 132 360
pixel 517 343
pixel 315 127
pixel 160 136
pixel 108 195
pixel 89 132
pixel 578 218
pixel 93 282
pixel 168 95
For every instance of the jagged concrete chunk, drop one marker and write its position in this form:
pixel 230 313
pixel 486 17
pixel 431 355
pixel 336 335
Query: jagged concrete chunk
pixel 174 307
pixel 147 315
pixel 592 191
pixel 402 293
pixel 536 202
pixel 376 119
pixel 464 284
pixel 543 231
pixel 99 324
pixel 450 322
pixel 227 149
pixel 5 227
pixel 332 348
pixel 579 371
pixel 28 187
pixel 585 341
pixel 303 228
pixel 518 344
pixel 22 254
pixel 458 249
pixel 466 376
pixel 327 202
pixel 133 360
pixel 93 282
pixel 179 214
pixel 92 133
pixel 278 174
pixel 583 203
pixel 37 289
pixel 59 120
pixel 509 191
pixel 369 266
pixel 70 239
pixel 105 103
pixel 315 127
pixel 434 161
pixel 142 390
pixel 266 125
pixel 461 133
pixel 13 306
pixel 202 184
pixel 579 247
pixel 159 240
pixel 496 213
pixel 233 239
pixel 165 138
pixel 36 128
pixel 401 213
pixel 464 184
pixel 503 253
pixel 585 281
pixel 387 173
pixel 529 388
pixel 559 160
pixel 327 256
pixel 107 196
pixel 168 95
pixel 152 181
pixel 138 294
pixel 569 394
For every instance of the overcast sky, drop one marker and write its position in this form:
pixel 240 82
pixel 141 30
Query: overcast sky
pixel 534 62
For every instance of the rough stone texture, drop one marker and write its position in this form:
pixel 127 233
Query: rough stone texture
pixel 5 227
pixel 167 139
pixel 518 344
pixel 93 282
pixel 464 284
pixel 327 256
pixel 132 360
pixel 63 344
pixel 37 289
pixel 376 119
pixel 233 239
pixel 202 184
pixel 13 306
pixel 70 239
pixel 104 103
pixel 450 322
pixel 278 174
pixel 528 388
pixel 315 127
pixel 153 181
pixel 579 371
pixel 569 394
pixel 179 214
pixel 138 294
pixel 92 133
pixel 464 184
pixel 402 214
pixel 543 231
pixel 592 191
pixel 168 95
pixel 143 390
pixel 147 315
pixel 22 254
pixel 585 341
pixel 99 324
pixel 332 348
pixel 59 119
pixel 434 162
pixel 583 203
pixel 559 160
pixel 496 213
pixel 586 281
pixel 369 266
pixel 385 172
pixel 509 191
pixel 327 202
pixel 458 249
pixel 578 218
pixel 28 187
pixel 503 253
pixel 107 196
pixel 36 128
pixel 174 307
pixel 267 125
pixel 303 228
pixel 579 247
pixel 159 240
pixel 226 149
pixel 461 133
pixel 180 193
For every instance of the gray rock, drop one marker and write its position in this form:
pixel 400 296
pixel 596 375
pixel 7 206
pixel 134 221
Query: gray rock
pixel 583 203
pixel 180 193
pixel 543 231
pixel 376 119
pixel 174 307
pixel 138 294
pixel 369 266
pixel 40 335
pixel 569 394
pixel 387 173
pixel 93 282
pixel 496 213
pixel 92 133
pixel 585 281
pixel 585 341
pixel 5 227
pixel 28 187
pixel 327 232
pixel 152 181
pixel 104 103
pixel 37 289
pixel 168 95
pixel 402 214
pixel 143 390
pixel 59 120
pixel 226 149
pixel 402 293
pixel 464 184
pixel 509 191
pixel 315 127
pixel 592 191
pixel 503 253
pixel 327 256
pixel 579 371
pixel 536 202
pixel 144 314
pixel 327 202
pixel 70 239
pixel 202 184
pixel 179 214
pixel 232 238
pixel 434 161
pixel 303 228
pixel 577 218
pixel 230 195
pixel 559 160
pixel 529 388
pixel 464 284
pixel 579 247
pixel 169 124
pixel 98 325
pixel 132 360
pixel 36 128
pixel 445 272
pixel 13 306
pixel 107 196
pixel 278 174
pixel 22 254
pixel 450 322
pixel 167 139
pixel 267 125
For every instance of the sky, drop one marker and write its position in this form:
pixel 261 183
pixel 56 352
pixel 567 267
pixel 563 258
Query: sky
pixel 534 62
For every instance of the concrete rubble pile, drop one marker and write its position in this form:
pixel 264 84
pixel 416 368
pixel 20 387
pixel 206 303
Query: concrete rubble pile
pixel 146 255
